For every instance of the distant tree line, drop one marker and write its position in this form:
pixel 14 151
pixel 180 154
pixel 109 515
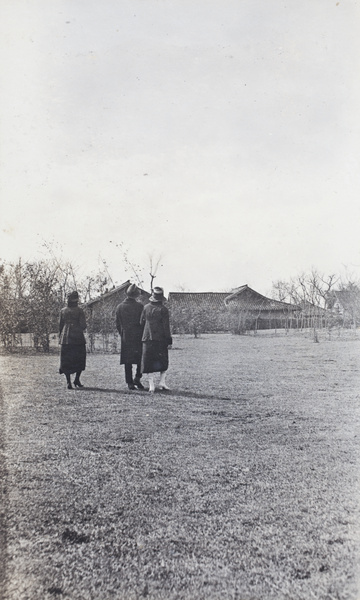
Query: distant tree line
pixel 313 292
pixel 32 294
pixel 316 294
pixel 306 288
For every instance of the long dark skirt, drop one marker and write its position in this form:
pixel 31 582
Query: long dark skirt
pixel 155 357
pixel 72 358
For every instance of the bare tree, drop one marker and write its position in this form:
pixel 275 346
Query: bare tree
pixel 43 301
pixel 11 296
pixel 66 271
pixel 311 292
pixel 130 266
pixel 153 267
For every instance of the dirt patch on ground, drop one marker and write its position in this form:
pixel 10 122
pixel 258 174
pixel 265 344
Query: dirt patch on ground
pixel 241 483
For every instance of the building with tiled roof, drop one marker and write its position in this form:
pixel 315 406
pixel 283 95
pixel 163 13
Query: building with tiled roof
pixel 100 311
pixel 241 309
pixel 248 299
pixel 210 300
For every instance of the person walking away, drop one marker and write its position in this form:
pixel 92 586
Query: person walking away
pixel 156 339
pixel 72 340
pixel 128 324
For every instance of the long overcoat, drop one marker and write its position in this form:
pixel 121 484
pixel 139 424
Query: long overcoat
pixel 155 318
pixel 72 326
pixel 156 338
pixel 128 324
pixel 73 345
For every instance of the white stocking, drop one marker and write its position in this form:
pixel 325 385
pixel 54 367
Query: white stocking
pixel 162 382
pixel 151 383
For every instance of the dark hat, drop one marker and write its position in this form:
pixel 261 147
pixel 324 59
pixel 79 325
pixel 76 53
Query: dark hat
pixel 132 291
pixel 73 296
pixel 157 295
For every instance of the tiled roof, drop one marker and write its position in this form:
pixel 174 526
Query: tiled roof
pixel 248 299
pixel 114 293
pixel 242 297
pixel 204 299
pixel 108 294
pixel 309 309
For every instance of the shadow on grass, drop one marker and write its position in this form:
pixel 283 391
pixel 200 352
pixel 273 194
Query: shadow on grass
pixel 168 393
pixel 189 394
pixel 106 390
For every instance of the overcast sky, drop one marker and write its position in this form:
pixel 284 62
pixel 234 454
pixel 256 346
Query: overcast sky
pixel 221 135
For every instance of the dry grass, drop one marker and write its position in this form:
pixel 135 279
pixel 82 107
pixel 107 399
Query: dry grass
pixel 241 483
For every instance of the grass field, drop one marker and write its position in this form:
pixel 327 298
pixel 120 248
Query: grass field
pixel 241 483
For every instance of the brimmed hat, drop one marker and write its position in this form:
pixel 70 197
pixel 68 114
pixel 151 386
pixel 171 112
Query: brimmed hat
pixel 132 291
pixel 157 295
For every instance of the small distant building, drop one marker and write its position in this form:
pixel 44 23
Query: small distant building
pixel 344 306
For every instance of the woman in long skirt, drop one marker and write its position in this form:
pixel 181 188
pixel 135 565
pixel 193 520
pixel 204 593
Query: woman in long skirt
pixel 72 340
pixel 156 339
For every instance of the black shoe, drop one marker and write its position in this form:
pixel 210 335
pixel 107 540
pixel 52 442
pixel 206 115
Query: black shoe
pixel 78 384
pixel 69 386
pixel 131 386
pixel 139 385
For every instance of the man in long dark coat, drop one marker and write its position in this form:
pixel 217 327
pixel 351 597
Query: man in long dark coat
pixel 128 315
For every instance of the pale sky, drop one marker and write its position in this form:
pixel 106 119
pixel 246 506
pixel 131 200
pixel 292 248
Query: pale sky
pixel 221 135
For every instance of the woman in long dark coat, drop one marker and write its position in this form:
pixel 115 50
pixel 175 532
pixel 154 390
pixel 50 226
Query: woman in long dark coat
pixel 156 339
pixel 72 340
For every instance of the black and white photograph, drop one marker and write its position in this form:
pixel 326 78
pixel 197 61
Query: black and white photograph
pixel 179 300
